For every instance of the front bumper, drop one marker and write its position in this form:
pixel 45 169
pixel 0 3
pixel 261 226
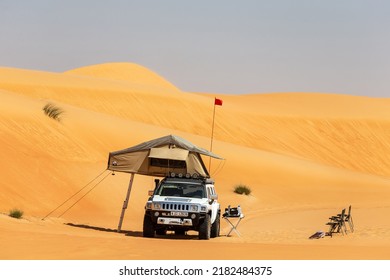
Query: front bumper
pixel 174 221
pixel 176 218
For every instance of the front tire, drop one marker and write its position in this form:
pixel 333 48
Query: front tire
pixel 215 228
pixel 205 228
pixel 148 228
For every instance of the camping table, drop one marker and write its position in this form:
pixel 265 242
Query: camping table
pixel 234 226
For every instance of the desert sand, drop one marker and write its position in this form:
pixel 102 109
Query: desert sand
pixel 305 156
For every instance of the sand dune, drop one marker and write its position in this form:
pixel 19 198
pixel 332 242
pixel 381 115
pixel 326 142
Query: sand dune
pixel 127 72
pixel 304 155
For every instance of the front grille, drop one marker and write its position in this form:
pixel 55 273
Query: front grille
pixel 175 206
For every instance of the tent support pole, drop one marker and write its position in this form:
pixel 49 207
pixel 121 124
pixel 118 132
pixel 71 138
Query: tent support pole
pixel 126 202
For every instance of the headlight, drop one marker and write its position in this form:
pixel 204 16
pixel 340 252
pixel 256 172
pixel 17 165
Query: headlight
pixel 148 205
pixel 194 208
pixel 203 209
pixel 156 206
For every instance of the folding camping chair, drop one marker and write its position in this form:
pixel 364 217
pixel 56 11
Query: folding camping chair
pixel 233 213
pixel 337 224
pixel 348 218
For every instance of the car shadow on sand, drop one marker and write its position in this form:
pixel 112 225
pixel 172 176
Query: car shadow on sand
pixel 168 235
pixel 126 232
pixel 173 236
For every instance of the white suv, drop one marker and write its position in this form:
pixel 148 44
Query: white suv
pixel 181 203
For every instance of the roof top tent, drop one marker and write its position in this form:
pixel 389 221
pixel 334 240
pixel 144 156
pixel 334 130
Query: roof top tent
pixel 159 157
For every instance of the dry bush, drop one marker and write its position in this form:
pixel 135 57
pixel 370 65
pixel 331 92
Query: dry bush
pixel 53 111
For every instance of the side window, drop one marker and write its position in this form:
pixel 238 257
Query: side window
pixel 208 192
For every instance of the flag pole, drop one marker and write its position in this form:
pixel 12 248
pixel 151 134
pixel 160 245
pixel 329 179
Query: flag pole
pixel 212 136
pixel 219 103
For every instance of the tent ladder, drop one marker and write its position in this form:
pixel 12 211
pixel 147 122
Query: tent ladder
pixel 126 202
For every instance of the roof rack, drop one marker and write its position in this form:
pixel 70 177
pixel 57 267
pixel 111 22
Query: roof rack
pixel 187 175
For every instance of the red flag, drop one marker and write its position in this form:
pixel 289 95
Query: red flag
pixel 218 102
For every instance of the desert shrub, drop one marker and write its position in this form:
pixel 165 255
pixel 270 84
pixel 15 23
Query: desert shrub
pixel 15 213
pixel 53 111
pixel 242 189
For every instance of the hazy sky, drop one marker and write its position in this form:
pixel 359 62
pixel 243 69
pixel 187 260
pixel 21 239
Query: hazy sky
pixel 220 46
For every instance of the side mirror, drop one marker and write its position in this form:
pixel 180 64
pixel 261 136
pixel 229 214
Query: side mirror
pixel 150 192
pixel 213 197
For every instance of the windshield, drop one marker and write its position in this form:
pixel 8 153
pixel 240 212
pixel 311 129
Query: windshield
pixel 181 190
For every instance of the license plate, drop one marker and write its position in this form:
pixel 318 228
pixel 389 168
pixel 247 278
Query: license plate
pixel 179 214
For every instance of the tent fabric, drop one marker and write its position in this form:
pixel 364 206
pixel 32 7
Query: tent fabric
pixel 168 153
pixel 169 139
pixel 160 156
